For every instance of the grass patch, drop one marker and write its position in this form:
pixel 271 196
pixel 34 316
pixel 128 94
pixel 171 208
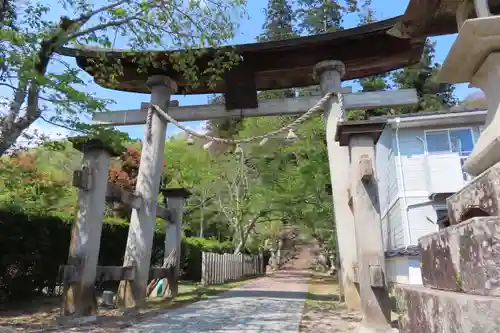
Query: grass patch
pixel 322 288
pixel 44 311
pixel 322 310
pixel 192 293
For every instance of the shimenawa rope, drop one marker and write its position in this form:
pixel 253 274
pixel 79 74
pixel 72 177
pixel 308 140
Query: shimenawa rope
pixel 319 106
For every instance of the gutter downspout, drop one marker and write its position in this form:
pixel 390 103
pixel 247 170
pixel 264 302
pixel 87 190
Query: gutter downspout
pixel 401 175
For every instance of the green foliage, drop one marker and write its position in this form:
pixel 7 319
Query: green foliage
pixel 320 16
pixel 433 96
pixel 279 21
pixel 34 246
pixel 32 249
pixel 372 83
pixel 192 249
pixel 278 26
pixel 40 84
pixel 196 169
pixel 241 201
pixel 276 94
pixel 25 187
pixel 290 187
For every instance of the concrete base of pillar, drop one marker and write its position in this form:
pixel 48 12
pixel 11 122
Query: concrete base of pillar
pixel 426 310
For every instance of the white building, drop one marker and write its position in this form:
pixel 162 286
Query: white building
pixel 419 161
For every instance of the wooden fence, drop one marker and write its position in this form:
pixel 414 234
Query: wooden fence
pixel 221 268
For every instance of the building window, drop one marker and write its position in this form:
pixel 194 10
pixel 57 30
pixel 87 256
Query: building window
pixel 437 141
pixel 459 140
pixel 462 141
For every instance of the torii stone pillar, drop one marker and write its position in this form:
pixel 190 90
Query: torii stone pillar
pixel 361 137
pixel 174 201
pixel 142 222
pixel 79 294
pixel 330 74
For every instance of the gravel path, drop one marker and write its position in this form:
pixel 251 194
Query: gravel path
pixel 269 304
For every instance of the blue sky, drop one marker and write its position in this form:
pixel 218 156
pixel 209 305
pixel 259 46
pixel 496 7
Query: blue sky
pixel 249 29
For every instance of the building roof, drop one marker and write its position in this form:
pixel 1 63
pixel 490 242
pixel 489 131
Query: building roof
pixel 454 116
pixel 433 18
pixel 366 50
pixel 347 129
pixel 409 251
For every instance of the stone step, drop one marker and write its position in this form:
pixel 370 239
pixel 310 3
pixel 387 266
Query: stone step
pixel 480 197
pixel 463 257
pixel 425 310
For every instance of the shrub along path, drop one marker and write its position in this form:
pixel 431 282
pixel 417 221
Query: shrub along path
pixel 288 301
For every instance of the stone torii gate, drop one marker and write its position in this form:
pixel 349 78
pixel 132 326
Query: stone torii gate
pixel 302 66
pixel 330 73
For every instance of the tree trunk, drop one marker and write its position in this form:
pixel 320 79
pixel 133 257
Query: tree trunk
pixel 28 91
pixel 244 236
pixel 4 9
pixel 246 233
pixel 9 138
pixel 201 222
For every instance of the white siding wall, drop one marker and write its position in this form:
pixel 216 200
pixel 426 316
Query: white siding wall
pixel 385 169
pixel 412 150
pixel 387 183
pixel 416 186
pixel 412 146
pixel 404 270
pixel 422 217
pixel 392 227
pixel 421 211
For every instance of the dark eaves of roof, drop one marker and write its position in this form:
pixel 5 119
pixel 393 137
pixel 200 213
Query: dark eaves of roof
pixel 409 251
pixel 457 109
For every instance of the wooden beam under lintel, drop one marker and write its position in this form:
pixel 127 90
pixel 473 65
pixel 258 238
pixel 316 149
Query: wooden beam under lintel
pixel 70 274
pixel 288 106
pixel 161 272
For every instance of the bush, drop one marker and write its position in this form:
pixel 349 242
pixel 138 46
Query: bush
pixel 191 250
pixel 32 247
pixel 31 250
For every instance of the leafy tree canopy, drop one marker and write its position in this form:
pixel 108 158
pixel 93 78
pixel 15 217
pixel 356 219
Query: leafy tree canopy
pixel 38 83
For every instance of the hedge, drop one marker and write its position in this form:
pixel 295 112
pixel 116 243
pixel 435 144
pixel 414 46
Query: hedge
pixel 32 247
pixel 191 250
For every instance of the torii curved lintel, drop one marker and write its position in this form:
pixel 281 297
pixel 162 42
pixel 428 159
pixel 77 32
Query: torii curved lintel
pixel 366 50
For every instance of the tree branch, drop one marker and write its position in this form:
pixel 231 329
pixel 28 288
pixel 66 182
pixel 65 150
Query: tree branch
pixel 189 212
pixel 100 27
pixel 249 229
pixel 85 18
pixel 62 126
